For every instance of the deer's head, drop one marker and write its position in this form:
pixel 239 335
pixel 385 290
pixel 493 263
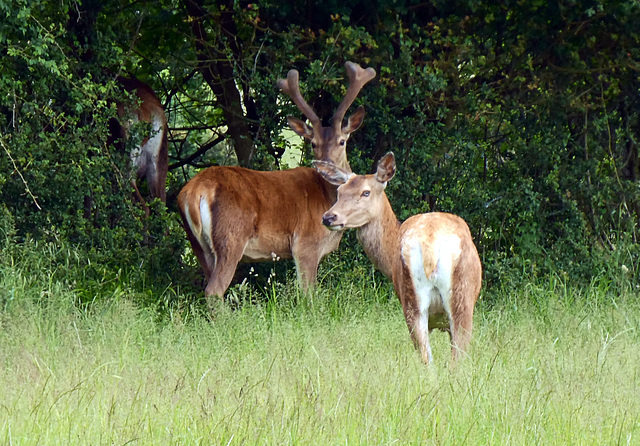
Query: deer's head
pixel 329 143
pixel 361 198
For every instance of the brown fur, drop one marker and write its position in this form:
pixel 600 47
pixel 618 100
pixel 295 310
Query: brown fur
pixel 259 216
pixel 389 246
pixel 266 213
pixel 154 169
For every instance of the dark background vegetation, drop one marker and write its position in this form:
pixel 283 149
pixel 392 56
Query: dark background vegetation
pixel 520 116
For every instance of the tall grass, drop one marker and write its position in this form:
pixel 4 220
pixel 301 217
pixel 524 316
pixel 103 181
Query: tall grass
pixel 548 365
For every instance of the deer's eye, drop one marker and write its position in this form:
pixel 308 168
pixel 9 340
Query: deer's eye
pixel 342 142
pixel 366 193
pixel 313 145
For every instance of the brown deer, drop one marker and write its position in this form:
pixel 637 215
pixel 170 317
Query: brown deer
pixel 149 159
pixel 431 258
pixel 234 214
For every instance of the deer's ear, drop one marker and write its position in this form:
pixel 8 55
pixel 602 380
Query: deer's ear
pixel 300 127
pixel 332 173
pixel 386 168
pixel 355 121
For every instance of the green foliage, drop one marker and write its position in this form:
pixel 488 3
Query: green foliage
pixel 519 116
pixel 7 229
pixel 528 140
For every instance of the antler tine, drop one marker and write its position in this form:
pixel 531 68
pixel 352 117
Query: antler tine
pixel 291 87
pixel 358 76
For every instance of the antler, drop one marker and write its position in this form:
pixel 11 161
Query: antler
pixel 358 76
pixel 291 87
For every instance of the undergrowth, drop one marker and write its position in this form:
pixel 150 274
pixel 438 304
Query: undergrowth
pixel 95 355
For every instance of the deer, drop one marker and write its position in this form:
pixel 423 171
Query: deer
pixel 430 258
pixel 232 214
pixel 150 158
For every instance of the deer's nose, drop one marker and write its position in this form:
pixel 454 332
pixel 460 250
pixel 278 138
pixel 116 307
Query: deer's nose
pixel 328 219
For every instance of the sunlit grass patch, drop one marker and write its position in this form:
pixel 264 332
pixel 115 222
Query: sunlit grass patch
pixel 548 365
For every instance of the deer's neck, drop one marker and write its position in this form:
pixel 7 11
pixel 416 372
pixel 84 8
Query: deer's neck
pixel 379 239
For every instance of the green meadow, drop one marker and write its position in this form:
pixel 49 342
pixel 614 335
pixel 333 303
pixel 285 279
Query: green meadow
pixel 521 117
pixel 549 364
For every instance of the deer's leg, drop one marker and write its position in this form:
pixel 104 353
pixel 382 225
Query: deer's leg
pixel 307 259
pixel 226 262
pixel 417 319
pixel 206 259
pixel 414 297
pixel 418 325
pixel 463 300
pixel 461 325
pixel 156 175
pixel 157 185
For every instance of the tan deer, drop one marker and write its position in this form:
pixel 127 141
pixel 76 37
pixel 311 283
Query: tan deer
pixel 150 159
pixel 431 258
pixel 233 214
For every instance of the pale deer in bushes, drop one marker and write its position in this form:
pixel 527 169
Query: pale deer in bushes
pixel 234 214
pixel 150 158
pixel 431 258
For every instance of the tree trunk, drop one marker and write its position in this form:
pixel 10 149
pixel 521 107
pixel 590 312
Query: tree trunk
pixel 218 73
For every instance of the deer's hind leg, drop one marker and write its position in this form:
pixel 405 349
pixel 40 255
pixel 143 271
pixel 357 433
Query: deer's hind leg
pixel 227 257
pixel 461 326
pixel 227 238
pixel 416 312
pixel 418 324
pixel 465 289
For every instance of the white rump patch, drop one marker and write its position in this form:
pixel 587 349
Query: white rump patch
pixel 205 219
pixel 149 152
pixel 433 292
pixel 189 221
pixel 153 145
pixel 204 234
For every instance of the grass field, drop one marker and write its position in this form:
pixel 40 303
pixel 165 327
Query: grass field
pixel 548 365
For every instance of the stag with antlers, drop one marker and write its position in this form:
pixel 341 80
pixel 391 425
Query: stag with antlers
pixel 233 214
